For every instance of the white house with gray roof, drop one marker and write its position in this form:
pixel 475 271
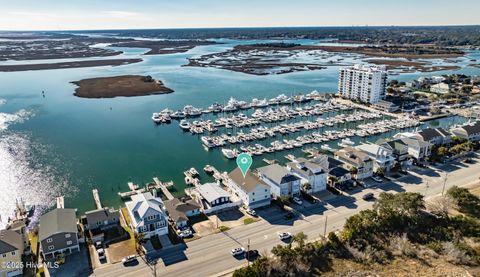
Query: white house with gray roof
pixel 281 181
pixel 250 189
pixel 58 233
pixel 147 215
pixel 214 198
pixel 311 173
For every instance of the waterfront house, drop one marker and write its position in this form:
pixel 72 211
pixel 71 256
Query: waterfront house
pixel 214 198
pixel 147 215
pixel 310 173
pixel 337 174
pixel 399 150
pixel 435 136
pixel 11 251
pixel 418 149
pixel 382 157
pixel 180 210
pixel 250 189
pixel 469 131
pixel 20 227
pixel 281 181
pixel 359 163
pixel 58 233
pixel 99 220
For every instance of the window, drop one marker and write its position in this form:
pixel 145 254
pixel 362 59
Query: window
pixel 265 190
pixel 49 240
pixel 13 253
pixel 67 236
pixel 69 242
pixel 4 255
pixel 152 217
pixel 50 247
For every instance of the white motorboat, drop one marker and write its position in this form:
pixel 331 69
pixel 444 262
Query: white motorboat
pixel 230 153
pixel 185 125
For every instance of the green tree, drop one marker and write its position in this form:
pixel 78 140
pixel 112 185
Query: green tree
pixel 466 202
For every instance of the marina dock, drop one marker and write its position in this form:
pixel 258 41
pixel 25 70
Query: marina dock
pixel 60 202
pixel 164 187
pixel 96 198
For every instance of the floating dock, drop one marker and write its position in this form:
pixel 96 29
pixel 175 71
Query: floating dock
pixel 128 194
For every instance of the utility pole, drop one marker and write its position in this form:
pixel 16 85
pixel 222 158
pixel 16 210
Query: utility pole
pixel 426 188
pixel 444 183
pixel 325 227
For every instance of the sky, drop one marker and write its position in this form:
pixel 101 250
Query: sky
pixel 136 14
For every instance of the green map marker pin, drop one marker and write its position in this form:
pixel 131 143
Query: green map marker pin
pixel 244 161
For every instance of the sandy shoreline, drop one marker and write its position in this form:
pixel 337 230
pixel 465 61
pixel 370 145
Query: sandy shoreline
pixel 126 85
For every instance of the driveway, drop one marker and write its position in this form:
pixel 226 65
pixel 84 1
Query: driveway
pixel 76 265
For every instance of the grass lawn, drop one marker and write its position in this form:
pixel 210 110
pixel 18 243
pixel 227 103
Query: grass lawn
pixel 33 242
pixel 249 220
pixel 131 241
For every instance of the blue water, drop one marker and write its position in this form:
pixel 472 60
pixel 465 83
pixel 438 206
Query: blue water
pixel 105 143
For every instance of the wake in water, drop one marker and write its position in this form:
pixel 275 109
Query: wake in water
pixel 22 174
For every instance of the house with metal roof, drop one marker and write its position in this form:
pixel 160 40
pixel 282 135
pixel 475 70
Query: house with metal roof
pixel 147 215
pixel 250 189
pixel 180 210
pixel 399 150
pixel 359 163
pixel 311 174
pixel 281 181
pixel 11 251
pixel 58 233
pixel 469 131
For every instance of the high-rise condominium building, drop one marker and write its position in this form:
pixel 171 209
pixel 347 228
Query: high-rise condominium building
pixel 366 83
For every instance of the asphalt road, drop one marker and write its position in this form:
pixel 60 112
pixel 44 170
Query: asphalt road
pixel 210 256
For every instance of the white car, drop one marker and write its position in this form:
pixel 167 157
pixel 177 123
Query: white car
pixel 186 233
pixel 377 179
pixel 251 212
pixel 101 254
pixel 284 235
pixel 129 259
pixel 297 200
pixel 237 251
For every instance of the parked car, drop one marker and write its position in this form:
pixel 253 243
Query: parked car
pixel 297 200
pixel 251 212
pixel 98 245
pixel 284 235
pixel 252 255
pixel 101 254
pixel 237 251
pixel 129 260
pixel 377 179
pixel 368 196
pixel 289 215
pixel 186 233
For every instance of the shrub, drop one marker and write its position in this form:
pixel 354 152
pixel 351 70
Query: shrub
pixel 455 255
pixel 223 228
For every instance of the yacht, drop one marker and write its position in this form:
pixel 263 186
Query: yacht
pixel 184 124
pixel 229 153
pixel 178 114
pixel 326 147
pixel 156 118
pixel 346 142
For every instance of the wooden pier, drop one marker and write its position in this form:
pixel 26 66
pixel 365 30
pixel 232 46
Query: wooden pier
pixel 267 161
pixel 60 202
pixel 128 194
pixel 164 187
pixel 96 198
